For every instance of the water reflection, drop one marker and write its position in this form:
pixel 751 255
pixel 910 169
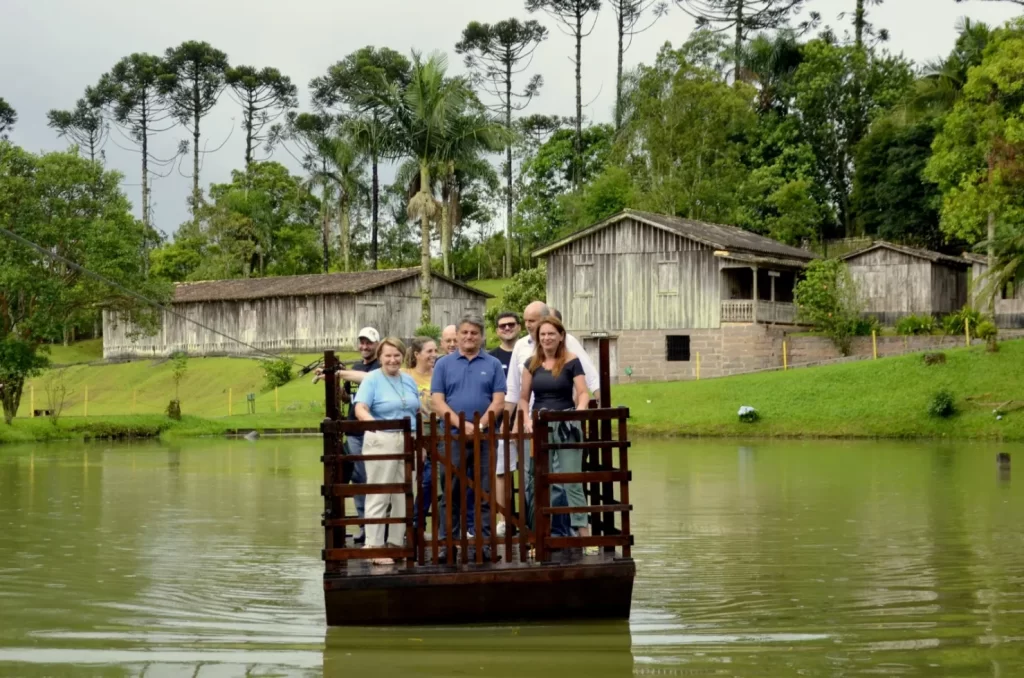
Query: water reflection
pixel 754 559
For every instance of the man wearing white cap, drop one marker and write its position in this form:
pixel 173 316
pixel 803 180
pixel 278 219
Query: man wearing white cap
pixel 368 340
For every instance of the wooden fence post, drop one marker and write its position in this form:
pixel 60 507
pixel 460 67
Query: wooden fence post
pixel 874 344
pixel 785 356
pixel 967 330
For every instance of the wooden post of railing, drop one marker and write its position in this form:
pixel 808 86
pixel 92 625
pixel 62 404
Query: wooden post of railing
pixel 410 476
pixel 478 527
pixel 591 434
pixel 334 507
pixel 524 530
pixel 607 489
pixel 542 490
pixel 435 517
pixel 419 464
pixel 491 474
pixel 509 484
pixel 461 475
pixel 624 491
pixel 448 507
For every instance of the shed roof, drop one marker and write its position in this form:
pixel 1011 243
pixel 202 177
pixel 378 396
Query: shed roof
pixel 975 258
pixel 718 236
pixel 919 253
pixel 299 285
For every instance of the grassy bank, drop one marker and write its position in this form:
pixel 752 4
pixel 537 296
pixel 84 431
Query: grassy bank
pixel 886 398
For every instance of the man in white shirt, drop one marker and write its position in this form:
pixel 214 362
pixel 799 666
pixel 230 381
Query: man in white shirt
pixel 521 354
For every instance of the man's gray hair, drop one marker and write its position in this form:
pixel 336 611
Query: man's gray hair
pixel 545 310
pixel 472 319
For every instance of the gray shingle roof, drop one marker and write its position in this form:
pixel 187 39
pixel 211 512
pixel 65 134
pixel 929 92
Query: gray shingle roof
pixel 936 257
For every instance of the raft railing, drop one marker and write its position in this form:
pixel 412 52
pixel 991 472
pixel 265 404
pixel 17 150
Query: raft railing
pixel 436 442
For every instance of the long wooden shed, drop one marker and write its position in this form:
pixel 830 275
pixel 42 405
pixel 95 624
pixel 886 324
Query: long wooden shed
pixel 897 280
pixel 306 313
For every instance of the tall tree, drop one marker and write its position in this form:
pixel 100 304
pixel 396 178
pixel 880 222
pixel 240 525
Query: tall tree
pixel 976 157
pixel 861 26
pixel 344 174
pixel 130 93
pixel 572 16
pixel 743 17
pixel 84 125
pixel 494 53
pixel 71 206
pixel 264 95
pixel 356 86
pixel 8 116
pixel 627 16
pixel 310 133
pixel 424 113
pixel 191 83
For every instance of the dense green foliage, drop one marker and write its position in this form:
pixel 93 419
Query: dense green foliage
pixel 276 373
pixel 826 298
pixel 912 325
pixel 528 285
pixel 942 405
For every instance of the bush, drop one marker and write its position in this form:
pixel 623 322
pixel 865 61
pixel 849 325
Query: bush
pixel 827 299
pixel 432 331
pixel 988 331
pixel 863 327
pixel 934 358
pixel 529 284
pixel 277 372
pixel 913 325
pixel 955 323
pixel 942 405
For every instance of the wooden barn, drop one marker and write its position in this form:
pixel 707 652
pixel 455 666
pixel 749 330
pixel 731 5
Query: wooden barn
pixel 665 287
pixel 895 281
pixel 306 313
pixel 1009 302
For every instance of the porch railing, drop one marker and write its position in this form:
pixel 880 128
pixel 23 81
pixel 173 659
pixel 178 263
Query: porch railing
pixel 742 311
pixel 604 431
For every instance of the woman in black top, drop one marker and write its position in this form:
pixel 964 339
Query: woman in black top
pixel 554 378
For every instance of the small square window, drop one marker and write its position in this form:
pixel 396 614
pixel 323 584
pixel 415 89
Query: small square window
pixel 677 348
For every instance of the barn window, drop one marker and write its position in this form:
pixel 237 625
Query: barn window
pixel 677 348
pixel 583 278
pixel 668 274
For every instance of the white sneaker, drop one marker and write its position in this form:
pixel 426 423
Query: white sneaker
pixel 469 534
pixel 500 529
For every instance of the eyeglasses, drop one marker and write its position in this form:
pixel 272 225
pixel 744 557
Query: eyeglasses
pixel 507 326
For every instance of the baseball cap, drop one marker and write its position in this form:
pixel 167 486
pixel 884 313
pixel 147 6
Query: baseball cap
pixel 369 333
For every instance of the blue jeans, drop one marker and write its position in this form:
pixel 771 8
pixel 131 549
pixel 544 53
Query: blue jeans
pixel 354 445
pixel 485 481
pixel 570 494
pixel 424 501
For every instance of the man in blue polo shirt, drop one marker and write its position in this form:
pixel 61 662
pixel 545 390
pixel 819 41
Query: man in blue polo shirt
pixel 471 382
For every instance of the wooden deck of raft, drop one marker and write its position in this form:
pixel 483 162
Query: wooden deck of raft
pixel 531 575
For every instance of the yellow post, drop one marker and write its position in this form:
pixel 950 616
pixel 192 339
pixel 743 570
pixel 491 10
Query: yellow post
pixel 967 330
pixel 276 410
pixel 785 356
pixel 698 365
pixel 874 344
pixel 229 402
pixel 86 414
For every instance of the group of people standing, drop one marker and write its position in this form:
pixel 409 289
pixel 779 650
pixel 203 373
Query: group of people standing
pixel 545 369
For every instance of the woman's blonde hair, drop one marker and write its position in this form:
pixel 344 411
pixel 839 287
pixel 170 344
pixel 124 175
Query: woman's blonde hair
pixel 394 342
pixel 416 346
pixel 538 353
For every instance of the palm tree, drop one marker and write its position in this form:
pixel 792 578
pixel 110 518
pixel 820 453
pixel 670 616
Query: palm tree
pixel 342 173
pixel 941 82
pixel 771 61
pixel 376 141
pixel 423 116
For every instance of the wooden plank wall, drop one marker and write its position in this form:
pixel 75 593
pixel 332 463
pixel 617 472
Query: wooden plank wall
pixel 632 276
pixel 300 324
pixel 892 283
pixel 949 288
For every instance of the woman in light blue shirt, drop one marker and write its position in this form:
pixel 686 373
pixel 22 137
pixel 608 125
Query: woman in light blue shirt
pixel 386 394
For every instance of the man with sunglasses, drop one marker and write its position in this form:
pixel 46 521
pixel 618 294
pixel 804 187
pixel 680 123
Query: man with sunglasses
pixel 507 329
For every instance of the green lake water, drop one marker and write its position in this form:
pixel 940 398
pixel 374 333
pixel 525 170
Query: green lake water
pixel 754 559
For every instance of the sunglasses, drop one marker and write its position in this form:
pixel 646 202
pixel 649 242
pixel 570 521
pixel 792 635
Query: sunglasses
pixel 507 326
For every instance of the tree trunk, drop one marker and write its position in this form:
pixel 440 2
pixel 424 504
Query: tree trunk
pixel 375 206
pixel 195 155
pixel 11 396
pixel 325 213
pixel 248 133
pixel 738 47
pixel 424 251
pixel 144 123
pixel 577 177
pixel 618 73
pixel 507 270
pixel 346 237
pixel 446 236
pixel 858 24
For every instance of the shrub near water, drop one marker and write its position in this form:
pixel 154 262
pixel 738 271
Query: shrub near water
pixel 942 405
pixel 277 372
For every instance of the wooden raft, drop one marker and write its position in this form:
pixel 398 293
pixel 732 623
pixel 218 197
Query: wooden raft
pixel 528 575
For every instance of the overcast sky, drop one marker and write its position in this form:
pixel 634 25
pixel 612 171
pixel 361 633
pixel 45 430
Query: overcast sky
pixel 50 50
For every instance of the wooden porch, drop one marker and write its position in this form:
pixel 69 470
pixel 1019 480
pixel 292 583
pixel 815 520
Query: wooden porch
pixel 750 311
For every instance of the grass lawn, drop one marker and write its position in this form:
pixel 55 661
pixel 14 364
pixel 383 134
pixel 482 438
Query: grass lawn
pixel 884 398
pixel 86 351
pixel 494 287
pixel 887 398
